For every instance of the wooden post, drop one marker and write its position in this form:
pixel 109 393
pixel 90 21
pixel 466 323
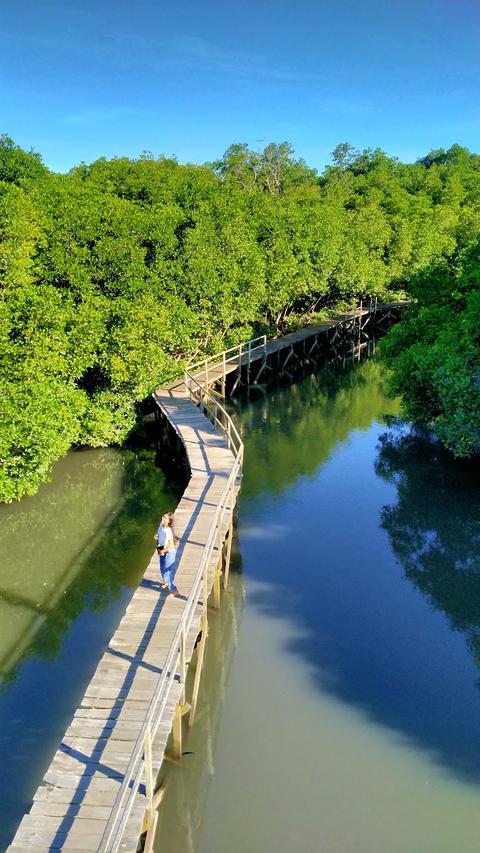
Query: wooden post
pixel 198 671
pixel 150 837
pixel 240 357
pixel 177 734
pixel 183 665
pixel 216 586
pixel 359 328
pixel 218 568
pixel 148 768
pixel 228 554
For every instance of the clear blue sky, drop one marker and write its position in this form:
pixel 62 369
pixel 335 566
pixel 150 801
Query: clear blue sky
pixel 82 79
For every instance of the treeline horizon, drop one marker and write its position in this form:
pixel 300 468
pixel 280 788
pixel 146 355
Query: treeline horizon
pixel 115 275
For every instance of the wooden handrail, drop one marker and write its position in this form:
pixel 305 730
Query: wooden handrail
pixel 198 394
pixel 139 768
pixel 254 343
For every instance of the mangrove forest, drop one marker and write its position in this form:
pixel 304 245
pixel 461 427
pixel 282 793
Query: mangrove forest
pixel 117 274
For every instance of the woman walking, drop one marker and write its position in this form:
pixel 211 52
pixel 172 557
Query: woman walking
pixel 167 552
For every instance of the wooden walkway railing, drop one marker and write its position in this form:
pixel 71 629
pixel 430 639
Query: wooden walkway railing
pixel 140 768
pixel 217 367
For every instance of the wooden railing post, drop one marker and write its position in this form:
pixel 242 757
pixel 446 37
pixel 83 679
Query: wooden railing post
pixel 226 572
pixel 148 766
pixel 177 734
pixel 198 671
pixel 183 665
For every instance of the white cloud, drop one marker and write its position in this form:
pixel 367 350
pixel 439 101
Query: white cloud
pixel 271 531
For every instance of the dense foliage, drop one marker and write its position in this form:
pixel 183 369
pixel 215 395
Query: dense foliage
pixel 115 275
pixel 435 352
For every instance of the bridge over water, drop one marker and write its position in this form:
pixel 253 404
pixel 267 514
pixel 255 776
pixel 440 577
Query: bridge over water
pixel 99 792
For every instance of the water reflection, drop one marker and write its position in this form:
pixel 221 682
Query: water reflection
pixel 292 430
pixel 352 714
pixel 59 550
pixel 434 531
pixel 182 814
pixel 69 558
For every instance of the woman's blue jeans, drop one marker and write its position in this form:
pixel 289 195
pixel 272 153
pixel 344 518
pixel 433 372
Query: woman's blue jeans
pixel 168 574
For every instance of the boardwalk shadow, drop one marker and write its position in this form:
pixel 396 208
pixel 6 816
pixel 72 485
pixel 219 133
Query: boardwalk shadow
pixel 135 664
pixel 107 731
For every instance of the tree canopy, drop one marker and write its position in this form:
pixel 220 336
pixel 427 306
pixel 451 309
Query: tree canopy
pixel 115 275
pixel 435 352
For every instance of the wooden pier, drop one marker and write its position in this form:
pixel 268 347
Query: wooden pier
pixel 99 792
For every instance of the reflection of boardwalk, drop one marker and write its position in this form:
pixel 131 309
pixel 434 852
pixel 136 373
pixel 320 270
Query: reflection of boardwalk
pixel 71 808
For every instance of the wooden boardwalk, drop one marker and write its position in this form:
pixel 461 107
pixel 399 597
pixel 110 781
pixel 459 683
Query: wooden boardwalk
pixel 72 806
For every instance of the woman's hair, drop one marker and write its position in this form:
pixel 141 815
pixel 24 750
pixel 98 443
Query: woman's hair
pixel 169 515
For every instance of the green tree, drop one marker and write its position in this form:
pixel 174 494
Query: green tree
pixel 435 353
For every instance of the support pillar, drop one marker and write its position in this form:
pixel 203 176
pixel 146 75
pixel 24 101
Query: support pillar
pixel 216 585
pixel 228 555
pixel 177 734
pixel 150 836
pixel 198 671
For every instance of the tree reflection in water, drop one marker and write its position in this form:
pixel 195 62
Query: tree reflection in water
pixel 49 582
pixel 434 527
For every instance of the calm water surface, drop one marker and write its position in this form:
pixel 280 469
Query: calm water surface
pixel 341 706
pixel 69 559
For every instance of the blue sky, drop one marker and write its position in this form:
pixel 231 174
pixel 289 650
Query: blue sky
pixel 80 80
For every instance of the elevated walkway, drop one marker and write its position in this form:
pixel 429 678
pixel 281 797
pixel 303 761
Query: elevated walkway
pixel 73 807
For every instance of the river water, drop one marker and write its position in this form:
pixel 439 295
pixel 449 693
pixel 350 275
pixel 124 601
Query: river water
pixel 69 559
pixel 340 706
